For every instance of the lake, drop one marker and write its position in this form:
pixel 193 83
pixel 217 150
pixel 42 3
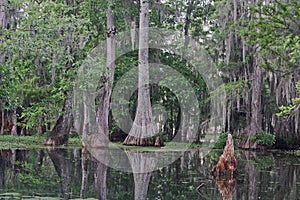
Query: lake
pixel 75 174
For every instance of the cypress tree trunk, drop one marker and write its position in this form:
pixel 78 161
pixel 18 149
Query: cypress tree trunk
pixel 60 133
pixel 5 18
pixel 3 22
pixel 2 122
pixel 255 122
pixel 100 138
pixel 14 122
pixel 256 99
pixel 143 126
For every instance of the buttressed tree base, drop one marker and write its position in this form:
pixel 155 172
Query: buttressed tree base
pixel 227 165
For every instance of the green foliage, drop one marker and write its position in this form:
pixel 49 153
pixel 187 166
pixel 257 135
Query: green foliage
pixel 264 138
pixel 74 141
pixel 232 89
pixel 214 156
pixel 10 141
pixel 275 29
pixel 286 110
pixel 43 53
pixel 50 39
pixel 221 142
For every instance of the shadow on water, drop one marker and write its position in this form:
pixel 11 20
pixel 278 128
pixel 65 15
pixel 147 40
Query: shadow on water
pixel 76 173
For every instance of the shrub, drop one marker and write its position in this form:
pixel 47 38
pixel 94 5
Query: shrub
pixel 264 138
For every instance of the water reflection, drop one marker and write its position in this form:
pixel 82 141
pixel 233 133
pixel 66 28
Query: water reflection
pixel 100 172
pixel 142 166
pixel 76 173
pixel 85 174
pixel 100 180
pixel 63 167
pixel 141 163
pixel 226 187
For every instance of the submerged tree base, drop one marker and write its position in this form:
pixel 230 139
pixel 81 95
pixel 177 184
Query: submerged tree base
pixel 227 164
pixel 56 140
pixel 133 141
pixel 60 133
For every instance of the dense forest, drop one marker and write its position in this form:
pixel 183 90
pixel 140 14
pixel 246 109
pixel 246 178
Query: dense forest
pixel 255 46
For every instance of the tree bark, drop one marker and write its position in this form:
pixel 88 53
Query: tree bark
pixel 143 126
pixel 14 122
pixel 255 120
pixel 227 164
pixel 2 122
pixel 102 115
pixel 187 24
pixel 3 25
pixel 3 22
pixel 60 133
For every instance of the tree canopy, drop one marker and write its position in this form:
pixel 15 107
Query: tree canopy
pixel 254 44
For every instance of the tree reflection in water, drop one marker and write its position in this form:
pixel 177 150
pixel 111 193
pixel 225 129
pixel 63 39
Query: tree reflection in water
pixel 100 180
pixel 226 186
pixel 84 173
pixel 34 173
pixel 142 166
pixel 100 156
pixel 251 175
pixel 63 167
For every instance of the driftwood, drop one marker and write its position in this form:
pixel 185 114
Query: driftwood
pixel 227 165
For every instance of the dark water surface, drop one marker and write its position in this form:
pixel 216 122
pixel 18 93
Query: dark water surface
pixel 71 174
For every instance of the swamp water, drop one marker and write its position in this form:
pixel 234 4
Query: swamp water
pixel 70 174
